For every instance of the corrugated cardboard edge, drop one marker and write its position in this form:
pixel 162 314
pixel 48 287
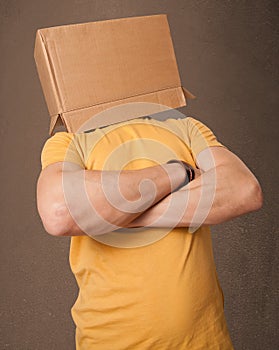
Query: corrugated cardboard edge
pixel 77 120
pixel 47 75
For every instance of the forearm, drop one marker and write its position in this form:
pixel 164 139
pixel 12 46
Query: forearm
pixel 97 202
pixel 214 197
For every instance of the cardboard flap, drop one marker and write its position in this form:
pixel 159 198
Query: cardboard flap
pixel 118 111
pixel 188 94
pixel 47 76
pixel 55 121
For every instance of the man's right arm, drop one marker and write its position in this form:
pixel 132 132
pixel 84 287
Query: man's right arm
pixel 74 201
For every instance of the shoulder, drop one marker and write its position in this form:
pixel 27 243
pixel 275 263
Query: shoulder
pixel 62 146
pixel 196 134
pixel 60 138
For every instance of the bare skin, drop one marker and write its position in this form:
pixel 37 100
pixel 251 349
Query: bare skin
pixel 225 189
pixel 100 201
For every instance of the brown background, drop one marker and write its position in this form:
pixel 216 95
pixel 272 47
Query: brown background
pixel 227 52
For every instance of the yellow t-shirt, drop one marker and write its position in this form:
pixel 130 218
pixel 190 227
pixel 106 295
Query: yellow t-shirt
pixel 162 296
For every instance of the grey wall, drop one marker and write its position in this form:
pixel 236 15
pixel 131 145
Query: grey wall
pixel 227 52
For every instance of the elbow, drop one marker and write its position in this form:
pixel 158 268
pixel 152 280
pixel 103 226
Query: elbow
pixel 55 220
pixel 254 196
pixel 257 196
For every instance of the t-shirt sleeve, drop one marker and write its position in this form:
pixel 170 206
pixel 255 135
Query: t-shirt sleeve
pixel 198 136
pixel 61 147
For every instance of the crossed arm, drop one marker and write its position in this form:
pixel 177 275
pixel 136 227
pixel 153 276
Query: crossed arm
pixel 75 201
pixel 225 189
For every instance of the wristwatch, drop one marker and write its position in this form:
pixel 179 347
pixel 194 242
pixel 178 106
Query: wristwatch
pixel 190 172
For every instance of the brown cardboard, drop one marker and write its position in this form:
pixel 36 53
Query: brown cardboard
pixel 88 68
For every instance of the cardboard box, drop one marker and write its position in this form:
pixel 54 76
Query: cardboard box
pixel 88 68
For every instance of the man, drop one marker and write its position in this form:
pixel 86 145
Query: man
pixel 162 292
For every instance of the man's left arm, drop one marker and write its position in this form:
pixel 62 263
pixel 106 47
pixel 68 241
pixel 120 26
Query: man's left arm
pixel 225 189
